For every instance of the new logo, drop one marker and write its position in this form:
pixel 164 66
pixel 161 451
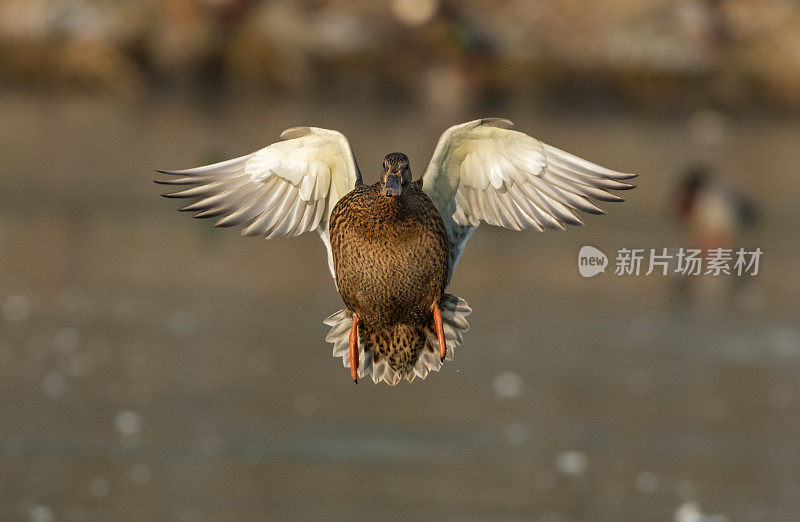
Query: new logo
pixel 591 261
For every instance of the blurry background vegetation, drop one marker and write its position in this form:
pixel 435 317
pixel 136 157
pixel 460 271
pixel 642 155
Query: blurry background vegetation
pixel 155 368
pixel 734 53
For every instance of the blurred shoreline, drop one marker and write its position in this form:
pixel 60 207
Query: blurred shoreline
pixel 730 54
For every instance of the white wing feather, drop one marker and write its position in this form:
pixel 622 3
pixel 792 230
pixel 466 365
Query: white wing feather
pixel 484 171
pixel 282 190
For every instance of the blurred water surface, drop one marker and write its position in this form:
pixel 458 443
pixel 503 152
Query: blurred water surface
pixel 154 368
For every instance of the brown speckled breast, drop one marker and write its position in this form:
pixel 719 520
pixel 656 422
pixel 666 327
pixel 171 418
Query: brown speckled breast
pixel 389 255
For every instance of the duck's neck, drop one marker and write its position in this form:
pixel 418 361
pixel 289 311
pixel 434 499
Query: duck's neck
pixel 392 202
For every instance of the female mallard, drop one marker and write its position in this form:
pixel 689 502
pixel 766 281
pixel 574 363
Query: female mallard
pixel 392 246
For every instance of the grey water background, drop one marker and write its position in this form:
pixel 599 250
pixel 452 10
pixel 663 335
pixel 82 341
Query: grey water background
pixel 155 368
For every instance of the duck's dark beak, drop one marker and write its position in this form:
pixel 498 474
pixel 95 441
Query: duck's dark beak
pixel 393 185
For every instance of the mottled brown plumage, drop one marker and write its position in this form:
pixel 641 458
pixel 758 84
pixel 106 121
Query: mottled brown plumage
pixel 390 258
pixel 391 249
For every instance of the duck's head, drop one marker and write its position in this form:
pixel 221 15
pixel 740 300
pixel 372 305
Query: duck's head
pixel 396 174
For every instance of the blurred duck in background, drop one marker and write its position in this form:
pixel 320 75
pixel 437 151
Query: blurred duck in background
pixel 714 215
pixel 712 212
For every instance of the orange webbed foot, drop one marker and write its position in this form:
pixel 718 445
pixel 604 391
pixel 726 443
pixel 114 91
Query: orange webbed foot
pixel 354 350
pixel 437 318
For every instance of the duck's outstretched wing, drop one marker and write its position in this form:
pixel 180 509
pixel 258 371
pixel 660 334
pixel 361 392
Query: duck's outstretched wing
pixel 282 190
pixel 484 171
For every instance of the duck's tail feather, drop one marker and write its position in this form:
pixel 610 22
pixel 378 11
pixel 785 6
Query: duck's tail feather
pixel 378 355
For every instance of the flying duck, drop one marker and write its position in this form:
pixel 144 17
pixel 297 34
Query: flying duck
pixel 392 246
